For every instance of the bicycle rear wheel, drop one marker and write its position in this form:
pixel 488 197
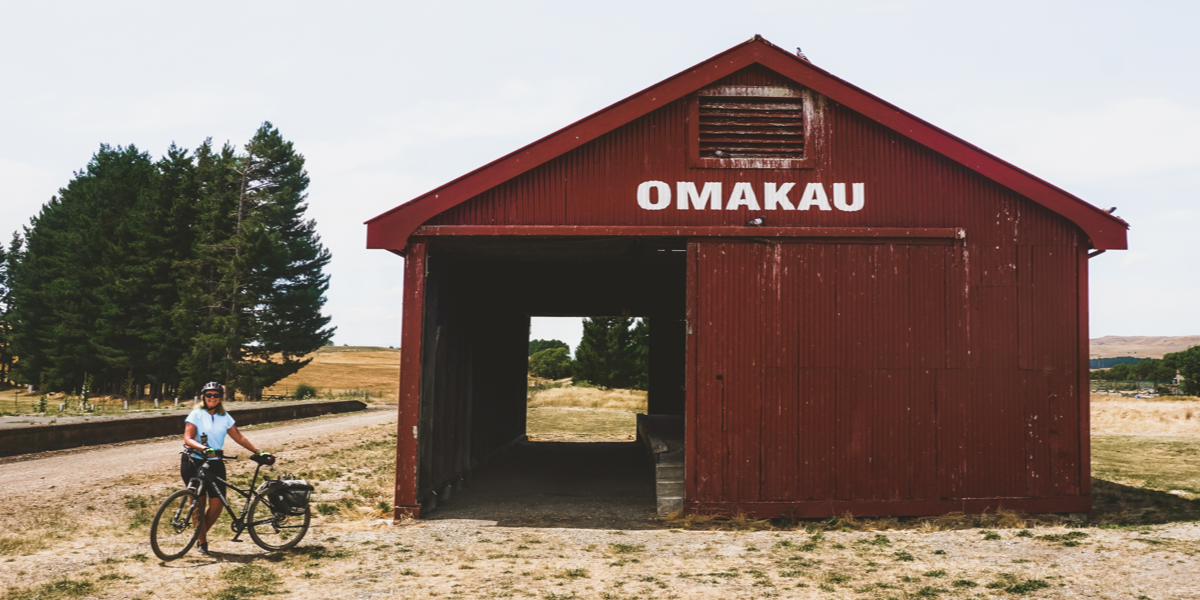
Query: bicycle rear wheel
pixel 174 528
pixel 274 530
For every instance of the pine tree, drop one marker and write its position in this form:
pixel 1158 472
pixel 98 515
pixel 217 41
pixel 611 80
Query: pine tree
pixel 259 282
pixel 5 310
pixel 51 310
pixel 167 245
pixel 171 273
pixel 639 351
pixel 204 312
pixel 612 356
pixel 121 203
pixel 286 289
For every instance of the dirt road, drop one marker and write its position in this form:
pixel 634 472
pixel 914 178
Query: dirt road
pixel 78 471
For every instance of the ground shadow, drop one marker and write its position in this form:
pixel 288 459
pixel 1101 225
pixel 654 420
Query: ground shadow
pixel 586 485
pixel 1117 504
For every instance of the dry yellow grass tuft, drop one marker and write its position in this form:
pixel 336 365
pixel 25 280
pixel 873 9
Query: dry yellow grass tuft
pixel 577 397
pixel 341 369
pixel 35 528
pixel 1001 519
pixel 1146 416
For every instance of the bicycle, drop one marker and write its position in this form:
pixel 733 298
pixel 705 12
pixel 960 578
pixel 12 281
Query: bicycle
pixel 272 527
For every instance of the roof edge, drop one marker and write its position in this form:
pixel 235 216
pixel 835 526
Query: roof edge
pixel 392 229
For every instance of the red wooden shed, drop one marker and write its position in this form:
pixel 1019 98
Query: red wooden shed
pixel 852 310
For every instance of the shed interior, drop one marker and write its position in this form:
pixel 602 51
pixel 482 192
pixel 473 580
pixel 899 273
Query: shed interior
pixel 480 295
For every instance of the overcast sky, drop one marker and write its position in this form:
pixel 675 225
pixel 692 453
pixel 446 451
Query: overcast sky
pixel 388 100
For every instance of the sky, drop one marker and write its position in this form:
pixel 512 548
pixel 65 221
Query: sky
pixel 387 100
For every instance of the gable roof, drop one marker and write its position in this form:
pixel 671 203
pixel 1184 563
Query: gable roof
pixel 392 229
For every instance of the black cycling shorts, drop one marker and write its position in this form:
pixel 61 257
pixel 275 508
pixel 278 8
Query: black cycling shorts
pixel 216 468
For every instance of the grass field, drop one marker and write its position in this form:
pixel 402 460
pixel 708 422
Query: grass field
pixel 568 412
pixel 1139 542
pixel 1137 547
pixel 339 369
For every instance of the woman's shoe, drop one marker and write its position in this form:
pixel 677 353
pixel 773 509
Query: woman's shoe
pixel 203 546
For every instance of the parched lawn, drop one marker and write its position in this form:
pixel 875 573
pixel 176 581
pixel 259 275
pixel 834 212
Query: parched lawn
pixel 1168 463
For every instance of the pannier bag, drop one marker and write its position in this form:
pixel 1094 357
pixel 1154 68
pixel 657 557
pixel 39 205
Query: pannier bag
pixel 288 496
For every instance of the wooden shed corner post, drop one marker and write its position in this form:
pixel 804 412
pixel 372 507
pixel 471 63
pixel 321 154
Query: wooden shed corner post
pixel 409 400
pixel 1085 388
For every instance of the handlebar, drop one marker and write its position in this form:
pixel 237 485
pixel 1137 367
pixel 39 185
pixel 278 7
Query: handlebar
pixel 193 452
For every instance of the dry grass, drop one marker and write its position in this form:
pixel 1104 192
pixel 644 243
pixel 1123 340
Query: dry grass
pixel 35 528
pixel 1001 519
pixel 341 369
pixel 336 369
pixel 349 554
pixel 1146 416
pixel 568 412
pixel 633 401
pixel 565 423
pixel 357 482
pixel 1167 463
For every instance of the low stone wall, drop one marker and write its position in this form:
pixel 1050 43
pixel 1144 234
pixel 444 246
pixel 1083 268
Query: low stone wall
pixel 40 438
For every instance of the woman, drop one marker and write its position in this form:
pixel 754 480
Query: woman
pixel 204 433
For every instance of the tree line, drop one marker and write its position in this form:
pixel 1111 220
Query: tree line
pixel 1186 362
pixel 167 273
pixel 614 352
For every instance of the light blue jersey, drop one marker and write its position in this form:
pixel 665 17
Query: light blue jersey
pixel 215 426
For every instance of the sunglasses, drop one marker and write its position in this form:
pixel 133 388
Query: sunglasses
pixel 212 395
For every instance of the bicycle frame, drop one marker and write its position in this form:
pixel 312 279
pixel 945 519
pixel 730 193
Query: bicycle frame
pixel 204 486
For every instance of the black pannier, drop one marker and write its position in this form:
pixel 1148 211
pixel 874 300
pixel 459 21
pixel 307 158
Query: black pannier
pixel 289 496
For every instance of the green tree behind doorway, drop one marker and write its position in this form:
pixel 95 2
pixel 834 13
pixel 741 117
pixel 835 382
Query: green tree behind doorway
pixel 614 352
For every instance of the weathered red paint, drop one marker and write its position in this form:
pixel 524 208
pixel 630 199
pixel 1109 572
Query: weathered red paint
pixel 665 231
pixel 409 396
pixel 391 230
pixel 921 355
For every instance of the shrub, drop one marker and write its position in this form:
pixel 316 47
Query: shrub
pixel 552 363
pixel 304 392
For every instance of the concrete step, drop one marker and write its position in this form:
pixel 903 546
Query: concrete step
pixel 665 472
pixel 669 488
pixel 669 504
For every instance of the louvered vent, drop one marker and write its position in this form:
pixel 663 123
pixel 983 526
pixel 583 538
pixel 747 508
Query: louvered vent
pixel 751 127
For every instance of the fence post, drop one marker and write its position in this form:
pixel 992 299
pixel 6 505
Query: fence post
pixel 126 405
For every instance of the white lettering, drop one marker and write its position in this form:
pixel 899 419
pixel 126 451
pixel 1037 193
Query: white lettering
pixel 777 197
pixel 709 196
pixel 656 195
pixel 814 195
pixel 839 196
pixel 664 195
pixel 742 195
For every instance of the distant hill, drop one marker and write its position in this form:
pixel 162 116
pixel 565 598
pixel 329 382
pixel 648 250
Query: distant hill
pixel 1112 346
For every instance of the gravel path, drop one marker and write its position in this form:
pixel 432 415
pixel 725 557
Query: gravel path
pixel 79 470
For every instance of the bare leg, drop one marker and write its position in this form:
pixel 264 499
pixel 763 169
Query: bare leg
pixel 214 513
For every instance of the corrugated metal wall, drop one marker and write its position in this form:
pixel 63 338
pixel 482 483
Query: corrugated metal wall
pixel 870 372
pixel 852 384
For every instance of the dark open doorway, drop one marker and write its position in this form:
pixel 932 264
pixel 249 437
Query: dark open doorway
pixel 480 295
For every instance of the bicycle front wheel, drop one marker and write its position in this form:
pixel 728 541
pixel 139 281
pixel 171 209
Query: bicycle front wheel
pixel 275 530
pixel 174 528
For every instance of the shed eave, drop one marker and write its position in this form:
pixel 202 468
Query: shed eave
pixel 392 229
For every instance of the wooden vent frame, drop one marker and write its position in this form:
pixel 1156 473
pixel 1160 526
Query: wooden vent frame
pixel 759 127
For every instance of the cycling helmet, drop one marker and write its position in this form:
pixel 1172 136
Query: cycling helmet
pixel 212 385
